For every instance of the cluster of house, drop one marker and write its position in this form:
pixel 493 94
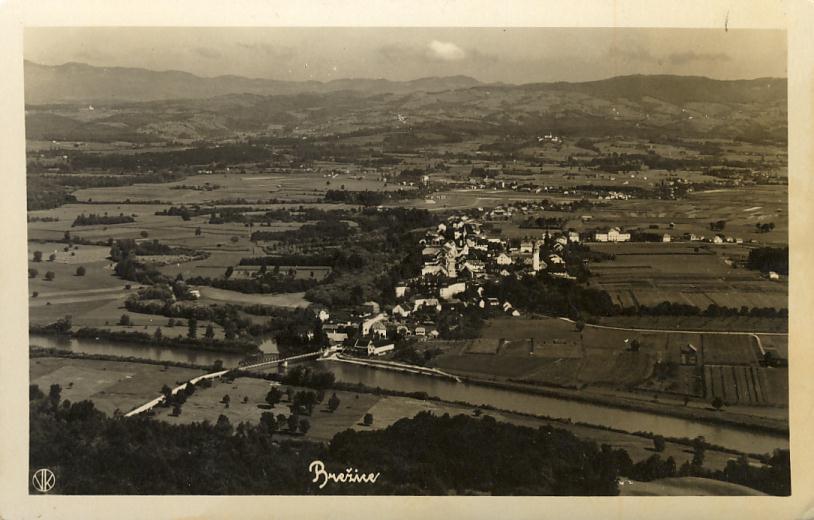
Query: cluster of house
pixel 458 253
pixel 549 138
pixel 457 261
pixel 715 239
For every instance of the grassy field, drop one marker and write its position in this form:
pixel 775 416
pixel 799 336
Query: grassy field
pixel 206 404
pixel 290 300
pixel 110 385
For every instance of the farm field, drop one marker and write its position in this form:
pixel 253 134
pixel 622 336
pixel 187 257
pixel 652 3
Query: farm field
pixel 253 186
pixel 551 352
pixel 648 274
pixel 290 300
pixel 723 324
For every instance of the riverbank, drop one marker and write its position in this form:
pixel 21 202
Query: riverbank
pixel 35 351
pixel 392 365
pixel 595 396
pixel 136 337
pixel 722 417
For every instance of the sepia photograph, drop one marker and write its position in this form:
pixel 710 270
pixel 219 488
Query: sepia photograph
pixel 410 261
pixel 298 264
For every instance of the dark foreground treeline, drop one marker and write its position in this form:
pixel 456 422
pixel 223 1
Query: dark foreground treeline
pixel 91 453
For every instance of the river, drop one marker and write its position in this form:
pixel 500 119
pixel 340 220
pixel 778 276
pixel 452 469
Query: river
pixel 577 411
pixel 139 350
pixel 448 390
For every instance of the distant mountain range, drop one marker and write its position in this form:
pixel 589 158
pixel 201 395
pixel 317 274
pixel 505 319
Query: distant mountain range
pixel 82 83
pixel 142 105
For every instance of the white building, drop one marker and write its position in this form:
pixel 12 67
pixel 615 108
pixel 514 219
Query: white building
pixel 504 259
pixel 612 235
pixel 368 323
pixel 451 290
pixel 403 312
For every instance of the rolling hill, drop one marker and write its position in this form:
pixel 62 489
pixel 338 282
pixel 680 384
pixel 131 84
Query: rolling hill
pixel 142 105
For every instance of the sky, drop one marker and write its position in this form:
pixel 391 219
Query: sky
pixel 510 55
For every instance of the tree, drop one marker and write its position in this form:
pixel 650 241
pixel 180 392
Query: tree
pixel 368 420
pixel 293 422
pixel 580 325
pixel 125 320
pixel 38 256
pixel 32 273
pixel 166 391
pixel 635 345
pixel 80 271
pixel 306 400
pixel 229 271
pixel 217 366
pixel 158 334
pixel 197 232
pixel 698 451
pixel 226 399
pixel 34 392
pixel 223 426
pixel 229 330
pixel 210 332
pixel 49 276
pixel 333 402
pixel 658 443
pixel 192 328
pixel 274 396
pixel 304 426
pixel 717 403
pixel 171 322
pixel 289 392
pixel 55 394
pixel 52 257
pixel 357 294
pixel 35 294
pixel 176 409
pixel 268 422
pixel 144 234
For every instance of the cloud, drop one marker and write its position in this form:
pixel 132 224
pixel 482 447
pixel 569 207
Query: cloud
pixel 445 51
pixel 435 52
pixel 208 53
pixel 682 58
